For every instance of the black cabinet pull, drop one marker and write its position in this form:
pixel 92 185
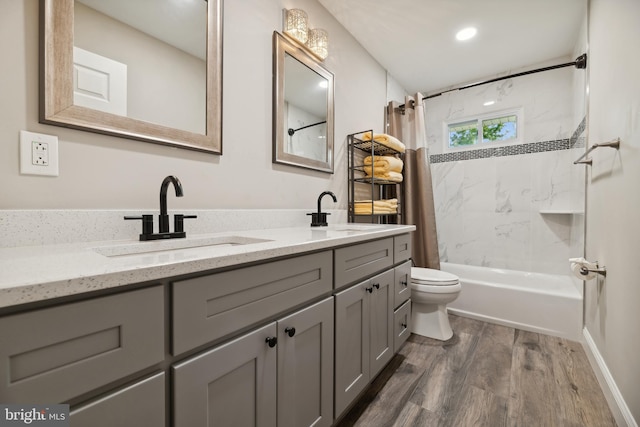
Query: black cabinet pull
pixel 272 341
pixel 290 331
pixel 376 285
pixel 404 325
pixel 370 290
pixel 403 283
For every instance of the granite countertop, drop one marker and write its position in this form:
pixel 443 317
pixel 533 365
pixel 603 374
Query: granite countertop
pixel 35 273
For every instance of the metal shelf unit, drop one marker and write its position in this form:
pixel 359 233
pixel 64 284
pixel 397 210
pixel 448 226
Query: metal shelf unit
pixel 375 188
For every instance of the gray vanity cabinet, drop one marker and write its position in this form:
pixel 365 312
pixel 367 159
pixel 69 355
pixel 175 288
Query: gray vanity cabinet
pixel 364 335
pixel 353 263
pixel 280 374
pixel 402 288
pixel 55 354
pixel 231 385
pixel 305 367
pixel 141 404
pixel 213 306
pixel 401 325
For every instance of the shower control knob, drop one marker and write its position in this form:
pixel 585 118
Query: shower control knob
pixel 272 341
pixel 290 331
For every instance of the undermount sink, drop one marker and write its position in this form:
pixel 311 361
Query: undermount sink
pixel 139 248
pixel 354 227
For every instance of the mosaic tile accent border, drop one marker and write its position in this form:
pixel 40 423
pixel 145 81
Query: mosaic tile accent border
pixel 575 141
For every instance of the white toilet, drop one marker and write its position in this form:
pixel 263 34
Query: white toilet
pixel 431 291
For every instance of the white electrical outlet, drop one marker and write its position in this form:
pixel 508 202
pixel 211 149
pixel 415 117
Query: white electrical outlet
pixel 38 154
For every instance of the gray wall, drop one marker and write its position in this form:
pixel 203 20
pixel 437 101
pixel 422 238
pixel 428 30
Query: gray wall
pixel 613 198
pixel 103 172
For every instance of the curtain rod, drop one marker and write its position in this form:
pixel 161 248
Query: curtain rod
pixel 580 63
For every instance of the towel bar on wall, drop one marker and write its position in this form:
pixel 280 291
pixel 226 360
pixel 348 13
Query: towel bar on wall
pixel 613 144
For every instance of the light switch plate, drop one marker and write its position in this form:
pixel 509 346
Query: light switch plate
pixel 38 154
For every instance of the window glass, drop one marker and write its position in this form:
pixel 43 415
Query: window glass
pixel 500 129
pixel 497 127
pixel 461 134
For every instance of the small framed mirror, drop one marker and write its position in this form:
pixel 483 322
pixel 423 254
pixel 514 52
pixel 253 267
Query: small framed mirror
pixel 144 70
pixel 302 108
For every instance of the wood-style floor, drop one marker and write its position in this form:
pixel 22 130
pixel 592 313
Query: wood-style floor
pixel 486 375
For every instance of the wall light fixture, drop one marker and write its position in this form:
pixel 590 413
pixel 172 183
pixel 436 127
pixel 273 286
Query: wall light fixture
pixel 295 24
pixel 315 40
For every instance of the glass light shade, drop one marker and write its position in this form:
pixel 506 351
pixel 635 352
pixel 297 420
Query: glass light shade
pixel 295 24
pixel 318 42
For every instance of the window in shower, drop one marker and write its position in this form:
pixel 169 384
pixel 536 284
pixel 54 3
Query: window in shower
pixel 488 129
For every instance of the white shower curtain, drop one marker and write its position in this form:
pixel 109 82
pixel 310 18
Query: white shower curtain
pixel 408 125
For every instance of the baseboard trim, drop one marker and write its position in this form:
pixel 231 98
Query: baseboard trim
pixel 618 406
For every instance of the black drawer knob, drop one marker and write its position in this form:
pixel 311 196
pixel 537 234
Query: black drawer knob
pixel 290 331
pixel 370 290
pixel 404 325
pixel 376 285
pixel 272 341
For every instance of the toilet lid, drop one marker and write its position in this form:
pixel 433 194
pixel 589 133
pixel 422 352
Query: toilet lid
pixel 429 276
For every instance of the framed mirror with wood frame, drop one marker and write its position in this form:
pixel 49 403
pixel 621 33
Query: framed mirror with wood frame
pixel 60 105
pixel 303 97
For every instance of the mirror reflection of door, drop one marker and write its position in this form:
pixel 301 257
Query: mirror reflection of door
pixel 162 46
pixel 305 111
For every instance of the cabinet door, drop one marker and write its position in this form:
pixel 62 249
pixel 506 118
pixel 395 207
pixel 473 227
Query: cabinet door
pixel 352 345
pixel 381 320
pixel 232 385
pixel 402 325
pixel 305 367
pixel 402 290
pixel 140 404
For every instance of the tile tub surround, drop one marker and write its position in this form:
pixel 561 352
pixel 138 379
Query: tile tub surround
pixel 35 273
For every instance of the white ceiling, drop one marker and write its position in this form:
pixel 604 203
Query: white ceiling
pixel 415 39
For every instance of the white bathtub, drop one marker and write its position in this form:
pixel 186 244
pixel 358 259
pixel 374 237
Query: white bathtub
pixel 544 303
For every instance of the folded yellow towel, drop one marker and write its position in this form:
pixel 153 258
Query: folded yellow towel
pixel 384 163
pixel 376 210
pixel 384 206
pixel 385 203
pixel 388 176
pixel 386 140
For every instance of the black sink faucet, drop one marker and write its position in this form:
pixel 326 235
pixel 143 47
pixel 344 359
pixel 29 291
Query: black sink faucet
pixel 319 219
pixel 163 226
pixel 164 217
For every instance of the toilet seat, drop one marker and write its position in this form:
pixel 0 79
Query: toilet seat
pixel 431 277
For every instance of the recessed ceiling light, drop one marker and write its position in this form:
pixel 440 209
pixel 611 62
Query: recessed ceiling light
pixel 466 33
pixel 486 104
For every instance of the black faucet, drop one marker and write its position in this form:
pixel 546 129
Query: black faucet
pixel 319 219
pixel 163 218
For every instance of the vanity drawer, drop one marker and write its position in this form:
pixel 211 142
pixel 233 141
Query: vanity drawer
pixel 354 263
pixel 55 354
pixel 401 325
pixel 402 283
pixel 401 248
pixel 210 307
pixel 141 404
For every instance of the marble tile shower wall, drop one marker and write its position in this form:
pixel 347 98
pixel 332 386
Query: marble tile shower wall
pixel 489 201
